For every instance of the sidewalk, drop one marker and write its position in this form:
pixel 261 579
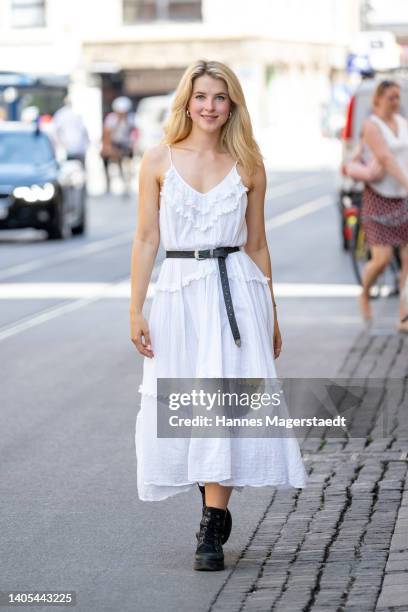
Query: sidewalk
pixel 342 542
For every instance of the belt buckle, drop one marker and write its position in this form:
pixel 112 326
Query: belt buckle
pixel 197 256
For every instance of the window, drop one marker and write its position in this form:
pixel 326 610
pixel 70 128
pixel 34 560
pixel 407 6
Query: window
pixel 25 148
pixel 28 13
pixel 142 11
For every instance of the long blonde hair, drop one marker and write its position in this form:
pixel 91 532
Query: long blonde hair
pixel 236 133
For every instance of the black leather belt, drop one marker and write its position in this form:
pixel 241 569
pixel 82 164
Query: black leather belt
pixel 221 254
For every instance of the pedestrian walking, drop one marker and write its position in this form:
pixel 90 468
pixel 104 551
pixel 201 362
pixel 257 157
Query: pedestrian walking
pixel 70 132
pixel 385 200
pixel 213 314
pixel 118 139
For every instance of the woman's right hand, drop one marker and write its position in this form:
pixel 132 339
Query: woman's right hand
pixel 140 335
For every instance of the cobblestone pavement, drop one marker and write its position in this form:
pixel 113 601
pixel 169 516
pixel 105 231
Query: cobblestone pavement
pixel 342 542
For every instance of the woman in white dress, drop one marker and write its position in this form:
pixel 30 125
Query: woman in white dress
pixel 213 314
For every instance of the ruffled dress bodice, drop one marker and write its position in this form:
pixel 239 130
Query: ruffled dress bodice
pixel 192 220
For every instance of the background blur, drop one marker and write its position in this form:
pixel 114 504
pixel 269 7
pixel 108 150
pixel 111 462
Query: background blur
pixel 298 62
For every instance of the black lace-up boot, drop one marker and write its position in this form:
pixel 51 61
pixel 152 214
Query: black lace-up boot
pixel 228 519
pixel 209 555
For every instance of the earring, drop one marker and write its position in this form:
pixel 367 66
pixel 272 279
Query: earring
pixel 230 115
pixel 188 113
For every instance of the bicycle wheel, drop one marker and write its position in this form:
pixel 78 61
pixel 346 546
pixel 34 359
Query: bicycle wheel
pixel 395 267
pixel 387 283
pixel 359 251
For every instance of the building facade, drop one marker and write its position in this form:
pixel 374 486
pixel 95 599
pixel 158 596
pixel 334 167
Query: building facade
pixel 388 16
pixel 285 53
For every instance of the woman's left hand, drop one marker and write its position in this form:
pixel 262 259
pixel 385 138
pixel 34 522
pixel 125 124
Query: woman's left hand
pixel 277 339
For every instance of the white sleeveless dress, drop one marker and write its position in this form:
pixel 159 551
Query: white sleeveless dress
pixel 191 338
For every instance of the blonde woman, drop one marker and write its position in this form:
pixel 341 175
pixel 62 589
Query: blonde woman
pixel 385 197
pixel 213 314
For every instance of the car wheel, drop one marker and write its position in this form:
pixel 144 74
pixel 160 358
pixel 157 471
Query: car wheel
pixel 59 229
pixel 81 227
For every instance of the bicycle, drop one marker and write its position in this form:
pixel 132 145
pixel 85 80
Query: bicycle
pixel 387 284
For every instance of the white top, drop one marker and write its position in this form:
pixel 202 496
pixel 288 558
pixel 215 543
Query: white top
pixel 120 128
pixel 398 145
pixel 192 220
pixel 70 131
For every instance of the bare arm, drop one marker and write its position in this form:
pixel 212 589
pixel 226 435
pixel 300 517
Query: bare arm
pixel 257 246
pixel 106 139
pixel 370 172
pixel 145 246
pixel 376 142
pixel 107 150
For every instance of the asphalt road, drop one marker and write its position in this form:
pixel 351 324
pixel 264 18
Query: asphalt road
pixel 70 517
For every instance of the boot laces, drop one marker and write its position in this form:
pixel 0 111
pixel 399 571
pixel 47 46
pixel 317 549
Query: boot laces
pixel 211 527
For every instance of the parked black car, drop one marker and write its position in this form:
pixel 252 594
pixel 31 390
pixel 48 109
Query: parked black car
pixel 35 189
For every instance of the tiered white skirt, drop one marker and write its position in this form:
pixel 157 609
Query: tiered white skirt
pixel 191 338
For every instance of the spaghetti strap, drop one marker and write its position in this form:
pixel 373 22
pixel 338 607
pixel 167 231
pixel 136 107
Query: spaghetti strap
pixel 169 148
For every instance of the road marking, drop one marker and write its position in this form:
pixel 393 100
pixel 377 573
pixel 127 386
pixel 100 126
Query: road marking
pixel 312 290
pixel 44 291
pixel 74 253
pixel 273 192
pixel 42 317
pixel 60 309
pixel 121 290
pixel 283 189
pixel 299 212
pixel 321 320
pixel 101 245
pixel 85 294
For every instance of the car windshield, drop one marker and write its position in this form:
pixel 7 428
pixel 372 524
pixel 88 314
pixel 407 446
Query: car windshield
pixel 25 148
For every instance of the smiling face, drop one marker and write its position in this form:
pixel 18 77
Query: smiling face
pixel 210 103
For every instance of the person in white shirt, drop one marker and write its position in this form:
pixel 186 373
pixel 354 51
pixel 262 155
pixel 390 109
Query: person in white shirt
pixel 70 132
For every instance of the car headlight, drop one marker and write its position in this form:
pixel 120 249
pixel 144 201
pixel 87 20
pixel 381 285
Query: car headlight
pixel 35 193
